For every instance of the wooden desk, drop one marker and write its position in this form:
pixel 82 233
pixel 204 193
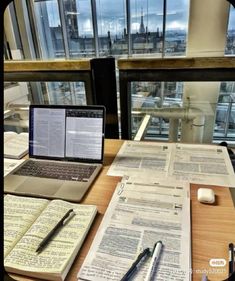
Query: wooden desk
pixel 213 226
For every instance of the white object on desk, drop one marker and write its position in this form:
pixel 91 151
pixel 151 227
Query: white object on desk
pixel 11 164
pixel 206 195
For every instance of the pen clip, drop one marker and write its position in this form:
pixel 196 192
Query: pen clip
pixel 155 245
pixel 70 215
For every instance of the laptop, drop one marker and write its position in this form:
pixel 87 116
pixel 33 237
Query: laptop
pixel 66 148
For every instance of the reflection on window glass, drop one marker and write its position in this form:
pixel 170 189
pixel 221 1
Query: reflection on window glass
pixel 66 93
pixel 112 32
pixel 16 102
pixel 18 96
pixel 155 96
pixel 49 29
pixel 79 28
pixel 146 26
pixel 225 111
pixel 230 47
pixel 176 27
pixel 47 92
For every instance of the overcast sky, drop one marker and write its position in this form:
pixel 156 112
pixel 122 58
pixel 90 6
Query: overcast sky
pixel 111 15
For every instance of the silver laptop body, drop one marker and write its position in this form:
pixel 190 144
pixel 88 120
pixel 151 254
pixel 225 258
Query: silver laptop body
pixel 64 141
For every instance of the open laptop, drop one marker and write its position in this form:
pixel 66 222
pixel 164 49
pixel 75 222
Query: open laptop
pixel 64 142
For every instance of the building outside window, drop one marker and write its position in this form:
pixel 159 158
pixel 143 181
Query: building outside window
pixel 230 46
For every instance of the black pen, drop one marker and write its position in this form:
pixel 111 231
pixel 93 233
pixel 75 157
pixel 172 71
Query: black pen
pixel 231 258
pixel 62 222
pixel 136 264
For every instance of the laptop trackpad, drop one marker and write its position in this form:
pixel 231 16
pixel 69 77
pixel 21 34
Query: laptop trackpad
pixel 39 186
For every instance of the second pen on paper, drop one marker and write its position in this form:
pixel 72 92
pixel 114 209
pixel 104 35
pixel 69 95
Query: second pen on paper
pixel 154 260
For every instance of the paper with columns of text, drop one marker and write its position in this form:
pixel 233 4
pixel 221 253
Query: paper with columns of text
pixel 194 163
pixel 139 215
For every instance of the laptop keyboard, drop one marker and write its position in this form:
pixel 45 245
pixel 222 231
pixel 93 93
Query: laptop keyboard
pixel 61 171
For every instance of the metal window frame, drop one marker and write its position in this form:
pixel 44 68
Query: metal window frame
pixel 33 39
pixel 95 27
pixel 63 28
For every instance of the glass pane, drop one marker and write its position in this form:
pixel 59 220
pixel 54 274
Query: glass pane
pixel 16 102
pixel 176 27
pixel 231 127
pixel 66 93
pixel 225 112
pixel 154 95
pixel 18 97
pixel 230 47
pixel 112 32
pixel 166 102
pixel 146 26
pixel 79 28
pixel 49 29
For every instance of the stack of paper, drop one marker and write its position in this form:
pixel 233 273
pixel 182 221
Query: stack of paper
pixel 194 163
pixel 140 213
pixel 11 164
pixel 15 145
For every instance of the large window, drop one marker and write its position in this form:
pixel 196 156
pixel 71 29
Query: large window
pixel 72 29
pixel 87 28
pixel 65 28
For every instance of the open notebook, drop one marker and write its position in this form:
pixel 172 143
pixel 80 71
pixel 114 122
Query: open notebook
pixel 66 146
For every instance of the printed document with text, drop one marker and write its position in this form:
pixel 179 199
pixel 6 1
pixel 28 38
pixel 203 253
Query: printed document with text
pixel 138 216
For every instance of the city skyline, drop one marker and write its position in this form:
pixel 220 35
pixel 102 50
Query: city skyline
pixel 112 17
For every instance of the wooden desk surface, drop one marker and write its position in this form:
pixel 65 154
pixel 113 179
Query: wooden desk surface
pixel 213 226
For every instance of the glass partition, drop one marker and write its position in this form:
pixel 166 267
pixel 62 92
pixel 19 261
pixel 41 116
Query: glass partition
pixel 19 95
pixel 175 106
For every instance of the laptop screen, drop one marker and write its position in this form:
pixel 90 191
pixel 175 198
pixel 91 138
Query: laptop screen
pixel 67 132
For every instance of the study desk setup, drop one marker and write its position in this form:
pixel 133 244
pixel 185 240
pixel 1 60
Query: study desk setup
pixel 212 225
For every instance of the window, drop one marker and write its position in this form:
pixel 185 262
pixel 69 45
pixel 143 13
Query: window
pixel 112 30
pixel 71 28
pixel 161 96
pixel 87 28
pixel 225 111
pixel 78 20
pixel 49 29
pixel 230 46
pixel 176 27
